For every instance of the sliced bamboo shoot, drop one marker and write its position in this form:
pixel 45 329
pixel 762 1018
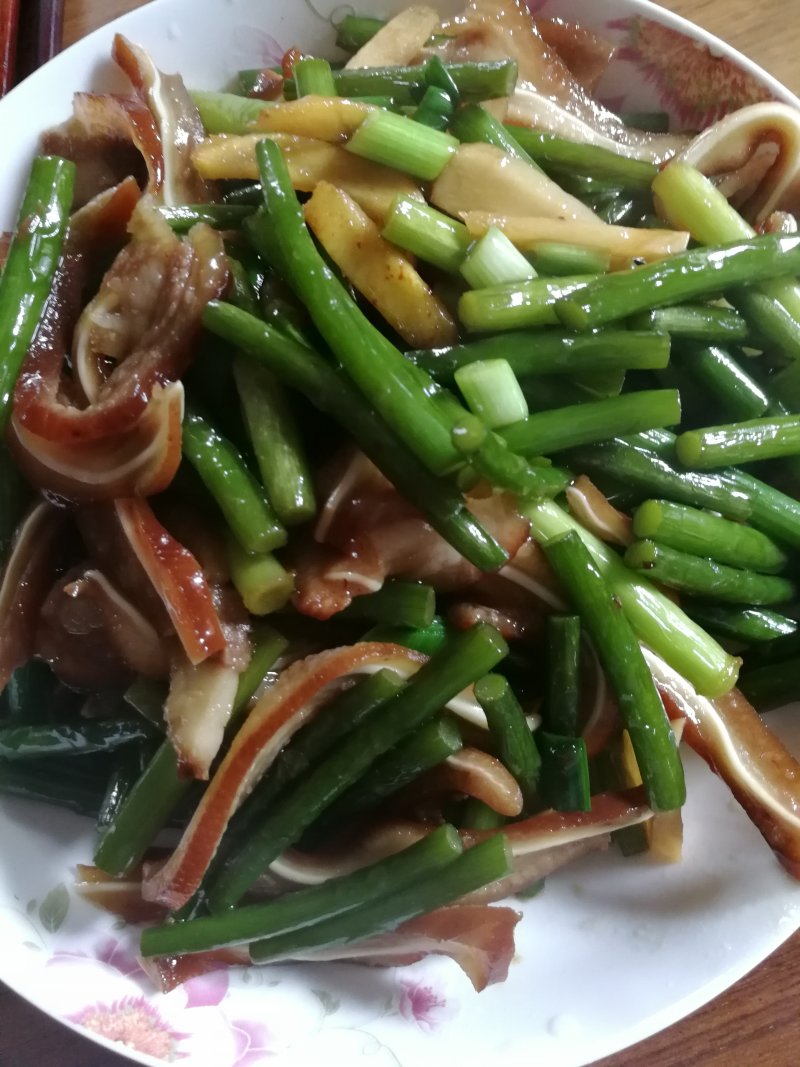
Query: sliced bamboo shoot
pixel 538 111
pixel 480 177
pixel 664 832
pixel 622 243
pixel 400 41
pixel 326 118
pixel 728 149
pixel 378 269
pixel 310 161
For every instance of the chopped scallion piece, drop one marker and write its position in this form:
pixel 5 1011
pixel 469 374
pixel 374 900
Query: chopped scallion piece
pixel 492 391
pixel 354 31
pixel 428 233
pixel 314 77
pixel 493 260
pixel 435 110
pixel 397 141
pixel 520 304
pixel 263 584
pixel 227 112
pixel 554 257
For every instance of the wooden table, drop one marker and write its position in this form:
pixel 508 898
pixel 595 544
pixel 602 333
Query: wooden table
pixel 757 1022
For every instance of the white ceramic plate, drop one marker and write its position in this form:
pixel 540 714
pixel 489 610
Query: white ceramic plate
pixel 612 950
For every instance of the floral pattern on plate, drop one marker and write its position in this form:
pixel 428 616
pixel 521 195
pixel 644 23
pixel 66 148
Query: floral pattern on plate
pixel 98 985
pixel 695 86
pixel 177 1027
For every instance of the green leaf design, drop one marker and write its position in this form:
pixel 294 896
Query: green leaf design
pixel 53 909
pixel 330 1003
pixel 32 946
pixel 390 1005
pixel 531 891
pixel 31 906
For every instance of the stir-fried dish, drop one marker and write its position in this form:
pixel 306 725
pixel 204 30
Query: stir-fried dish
pixel 400 465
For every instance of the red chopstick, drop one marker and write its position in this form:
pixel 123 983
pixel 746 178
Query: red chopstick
pixel 30 35
pixel 9 13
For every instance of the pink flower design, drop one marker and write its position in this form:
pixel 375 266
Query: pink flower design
pixel 180 1025
pixel 250 42
pixel 422 1004
pixel 254 1042
pixel 207 990
pixel 695 85
pixel 112 952
pixel 120 956
pixel 134 1023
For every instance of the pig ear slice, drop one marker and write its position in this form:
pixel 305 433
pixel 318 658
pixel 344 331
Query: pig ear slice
pixel 176 577
pixel 539 844
pixel 198 707
pixel 400 41
pixel 300 692
pixel 470 772
pixel 177 121
pixel 733 740
pixel 29 574
pixel 120 631
pixel 551 93
pixel 140 461
pixel 127 440
pixel 754 156
pixel 594 512
pixel 478 938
